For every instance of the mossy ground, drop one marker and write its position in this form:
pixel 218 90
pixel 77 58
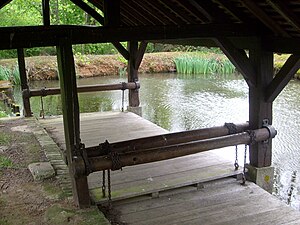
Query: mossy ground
pixel 24 201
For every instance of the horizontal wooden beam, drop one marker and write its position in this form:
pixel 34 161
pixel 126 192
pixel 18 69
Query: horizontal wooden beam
pixel 281 45
pixel 38 36
pixel 82 89
pixel 172 151
pixel 282 78
pixel 166 139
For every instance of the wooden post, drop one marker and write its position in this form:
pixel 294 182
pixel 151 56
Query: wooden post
pixel 259 108
pixel 24 84
pixel 70 109
pixel 134 100
pixel 136 54
pixel 46 12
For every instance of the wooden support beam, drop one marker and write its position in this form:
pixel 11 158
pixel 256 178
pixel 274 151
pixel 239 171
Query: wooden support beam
pixel 134 100
pixel 46 12
pixel 121 49
pixel 282 78
pixel 67 77
pixel 259 109
pixel 140 54
pixel 24 83
pixel 92 12
pixel 239 59
pixel 264 17
pixel 173 151
pixel 38 36
pixel 111 10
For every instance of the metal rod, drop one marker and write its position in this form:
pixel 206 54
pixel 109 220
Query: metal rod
pixel 85 88
pixel 169 152
pixel 165 139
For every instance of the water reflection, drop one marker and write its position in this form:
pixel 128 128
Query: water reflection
pixel 178 103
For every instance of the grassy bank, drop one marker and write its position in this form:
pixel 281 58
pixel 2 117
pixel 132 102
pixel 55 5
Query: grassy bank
pixel 45 67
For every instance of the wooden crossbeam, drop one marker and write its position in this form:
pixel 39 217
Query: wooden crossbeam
pixel 282 78
pixel 238 58
pixel 281 45
pixel 38 36
pixel 264 18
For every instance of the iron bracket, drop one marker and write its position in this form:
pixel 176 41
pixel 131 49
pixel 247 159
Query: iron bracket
pixel 270 128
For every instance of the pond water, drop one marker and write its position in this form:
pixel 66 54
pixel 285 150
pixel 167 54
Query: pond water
pixel 177 103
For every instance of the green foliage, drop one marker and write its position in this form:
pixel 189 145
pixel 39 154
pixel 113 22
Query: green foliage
pixel 3 114
pixel 12 75
pixel 203 64
pixel 5 162
pixel 5 73
pixel 21 13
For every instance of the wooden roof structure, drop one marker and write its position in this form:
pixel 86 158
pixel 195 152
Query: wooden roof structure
pixel 275 21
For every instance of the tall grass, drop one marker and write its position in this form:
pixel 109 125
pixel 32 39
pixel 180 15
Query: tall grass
pixel 197 64
pixel 12 75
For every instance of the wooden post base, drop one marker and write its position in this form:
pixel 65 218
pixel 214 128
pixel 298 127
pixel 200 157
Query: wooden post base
pixel 136 110
pixel 263 176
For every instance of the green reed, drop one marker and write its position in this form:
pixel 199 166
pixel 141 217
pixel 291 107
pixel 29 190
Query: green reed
pixel 197 64
pixel 12 75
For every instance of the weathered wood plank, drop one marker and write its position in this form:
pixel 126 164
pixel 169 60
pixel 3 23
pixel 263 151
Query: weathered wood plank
pixel 170 180
pixel 224 203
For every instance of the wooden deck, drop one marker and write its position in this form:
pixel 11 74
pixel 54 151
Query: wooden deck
pixel 174 181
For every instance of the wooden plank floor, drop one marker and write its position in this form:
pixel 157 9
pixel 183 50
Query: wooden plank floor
pixel 141 179
pixel 223 201
pixel 220 202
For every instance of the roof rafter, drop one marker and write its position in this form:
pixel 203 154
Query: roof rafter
pixel 212 13
pixel 263 17
pixel 285 12
pixel 235 12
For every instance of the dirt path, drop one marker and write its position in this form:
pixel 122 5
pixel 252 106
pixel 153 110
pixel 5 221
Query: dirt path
pixel 23 200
